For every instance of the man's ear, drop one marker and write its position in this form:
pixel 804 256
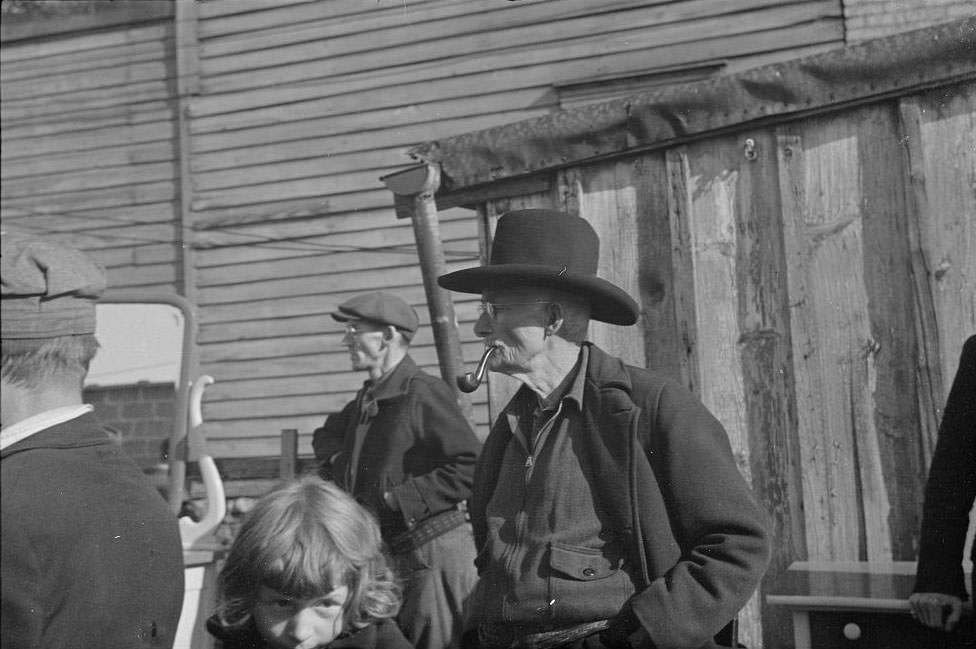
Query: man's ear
pixel 555 317
pixel 389 332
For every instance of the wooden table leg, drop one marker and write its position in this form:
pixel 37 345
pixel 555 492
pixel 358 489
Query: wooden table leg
pixel 801 630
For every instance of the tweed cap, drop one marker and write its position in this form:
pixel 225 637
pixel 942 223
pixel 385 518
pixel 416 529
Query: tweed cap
pixel 381 308
pixel 48 289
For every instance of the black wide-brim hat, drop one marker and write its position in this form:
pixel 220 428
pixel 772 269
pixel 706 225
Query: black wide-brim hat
pixel 552 249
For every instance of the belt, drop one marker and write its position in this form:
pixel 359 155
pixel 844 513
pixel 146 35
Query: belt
pixel 524 636
pixel 427 530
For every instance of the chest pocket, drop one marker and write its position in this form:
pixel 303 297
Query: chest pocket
pixel 583 564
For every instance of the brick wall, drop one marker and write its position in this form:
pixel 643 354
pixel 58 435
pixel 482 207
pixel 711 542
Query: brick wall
pixel 865 19
pixel 141 413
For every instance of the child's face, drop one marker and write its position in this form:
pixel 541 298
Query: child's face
pixel 291 623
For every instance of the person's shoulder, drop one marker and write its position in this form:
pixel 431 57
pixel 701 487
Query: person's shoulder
pixel 969 349
pixel 244 637
pixel 380 634
pixel 614 379
pixel 389 636
pixel 341 414
pixel 651 380
pixel 421 379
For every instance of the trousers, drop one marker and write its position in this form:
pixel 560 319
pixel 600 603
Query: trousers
pixel 437 579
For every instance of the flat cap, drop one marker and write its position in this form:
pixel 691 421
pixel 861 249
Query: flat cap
pixel 48 289
pixel 381 308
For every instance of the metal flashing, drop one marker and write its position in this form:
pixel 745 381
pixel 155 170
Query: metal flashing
pixel 892 66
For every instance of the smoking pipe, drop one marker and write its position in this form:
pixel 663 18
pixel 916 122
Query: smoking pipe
pixel 471 380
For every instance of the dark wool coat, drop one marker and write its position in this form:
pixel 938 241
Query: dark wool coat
pixel 664 472
pixel 92 557
pixel 379 635
pixel 418 446
pixel 951 488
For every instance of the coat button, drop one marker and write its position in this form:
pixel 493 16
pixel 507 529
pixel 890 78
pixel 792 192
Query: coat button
pixel 588 572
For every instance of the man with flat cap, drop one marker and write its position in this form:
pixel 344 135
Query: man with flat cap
pixel 608 510
pixel 92 557
pixel 404 449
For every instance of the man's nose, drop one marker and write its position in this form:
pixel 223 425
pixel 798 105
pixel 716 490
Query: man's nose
pixel 482 326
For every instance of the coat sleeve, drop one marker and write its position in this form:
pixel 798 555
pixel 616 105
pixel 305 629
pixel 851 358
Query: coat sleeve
pixel 951 487
pixel 720 530
pixel 328 441
pixel 452 449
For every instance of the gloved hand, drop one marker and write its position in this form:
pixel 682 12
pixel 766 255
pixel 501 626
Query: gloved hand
pixel 936 610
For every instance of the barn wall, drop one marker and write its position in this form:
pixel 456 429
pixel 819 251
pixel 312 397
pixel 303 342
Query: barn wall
pixel 301 106
pixel 89 147
pixel 802 279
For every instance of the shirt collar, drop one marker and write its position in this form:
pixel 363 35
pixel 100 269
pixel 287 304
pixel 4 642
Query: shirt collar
pixel 572 387
pixel 575 391
pixel 41 421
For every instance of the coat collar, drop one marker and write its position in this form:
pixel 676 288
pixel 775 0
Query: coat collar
pixel 41 421
pixel 75 433
pixel 396 383
pixel 604 372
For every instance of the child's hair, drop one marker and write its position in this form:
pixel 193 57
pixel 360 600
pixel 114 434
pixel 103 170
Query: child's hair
pixel 304 539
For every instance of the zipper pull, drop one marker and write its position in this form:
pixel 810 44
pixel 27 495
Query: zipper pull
pixel 528 462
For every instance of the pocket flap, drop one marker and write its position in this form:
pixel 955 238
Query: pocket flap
pixel 584 564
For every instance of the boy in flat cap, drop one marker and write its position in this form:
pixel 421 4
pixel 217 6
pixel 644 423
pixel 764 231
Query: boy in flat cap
pixel 608 509
pixel 404 449
pixel 92 557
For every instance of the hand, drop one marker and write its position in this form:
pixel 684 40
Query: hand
pixel 936 610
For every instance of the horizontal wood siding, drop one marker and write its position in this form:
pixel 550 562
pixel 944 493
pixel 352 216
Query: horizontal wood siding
pixel 303 105
pixel 864 19
pixel 89 148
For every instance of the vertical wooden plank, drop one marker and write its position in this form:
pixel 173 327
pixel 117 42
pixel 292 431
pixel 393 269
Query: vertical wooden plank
pixel 288 461
pixel 931 390
pixel 875 504
pixel 607 198
pixel 713 187
pixel 767 369
pixel 567 189
pixel 823 237
pixel 486 232
pixel 682 271
pixel 892 424
pixel 662 348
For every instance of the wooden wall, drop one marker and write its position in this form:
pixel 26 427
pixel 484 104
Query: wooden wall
pixel 864 19
pixel 814 287
pixel 301 106
pixel 230 150
pixel 90 152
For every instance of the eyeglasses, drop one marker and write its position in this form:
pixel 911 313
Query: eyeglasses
pixel 354 329
pixel 492 309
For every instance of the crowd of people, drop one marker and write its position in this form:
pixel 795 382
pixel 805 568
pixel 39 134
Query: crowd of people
pixel 605 509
